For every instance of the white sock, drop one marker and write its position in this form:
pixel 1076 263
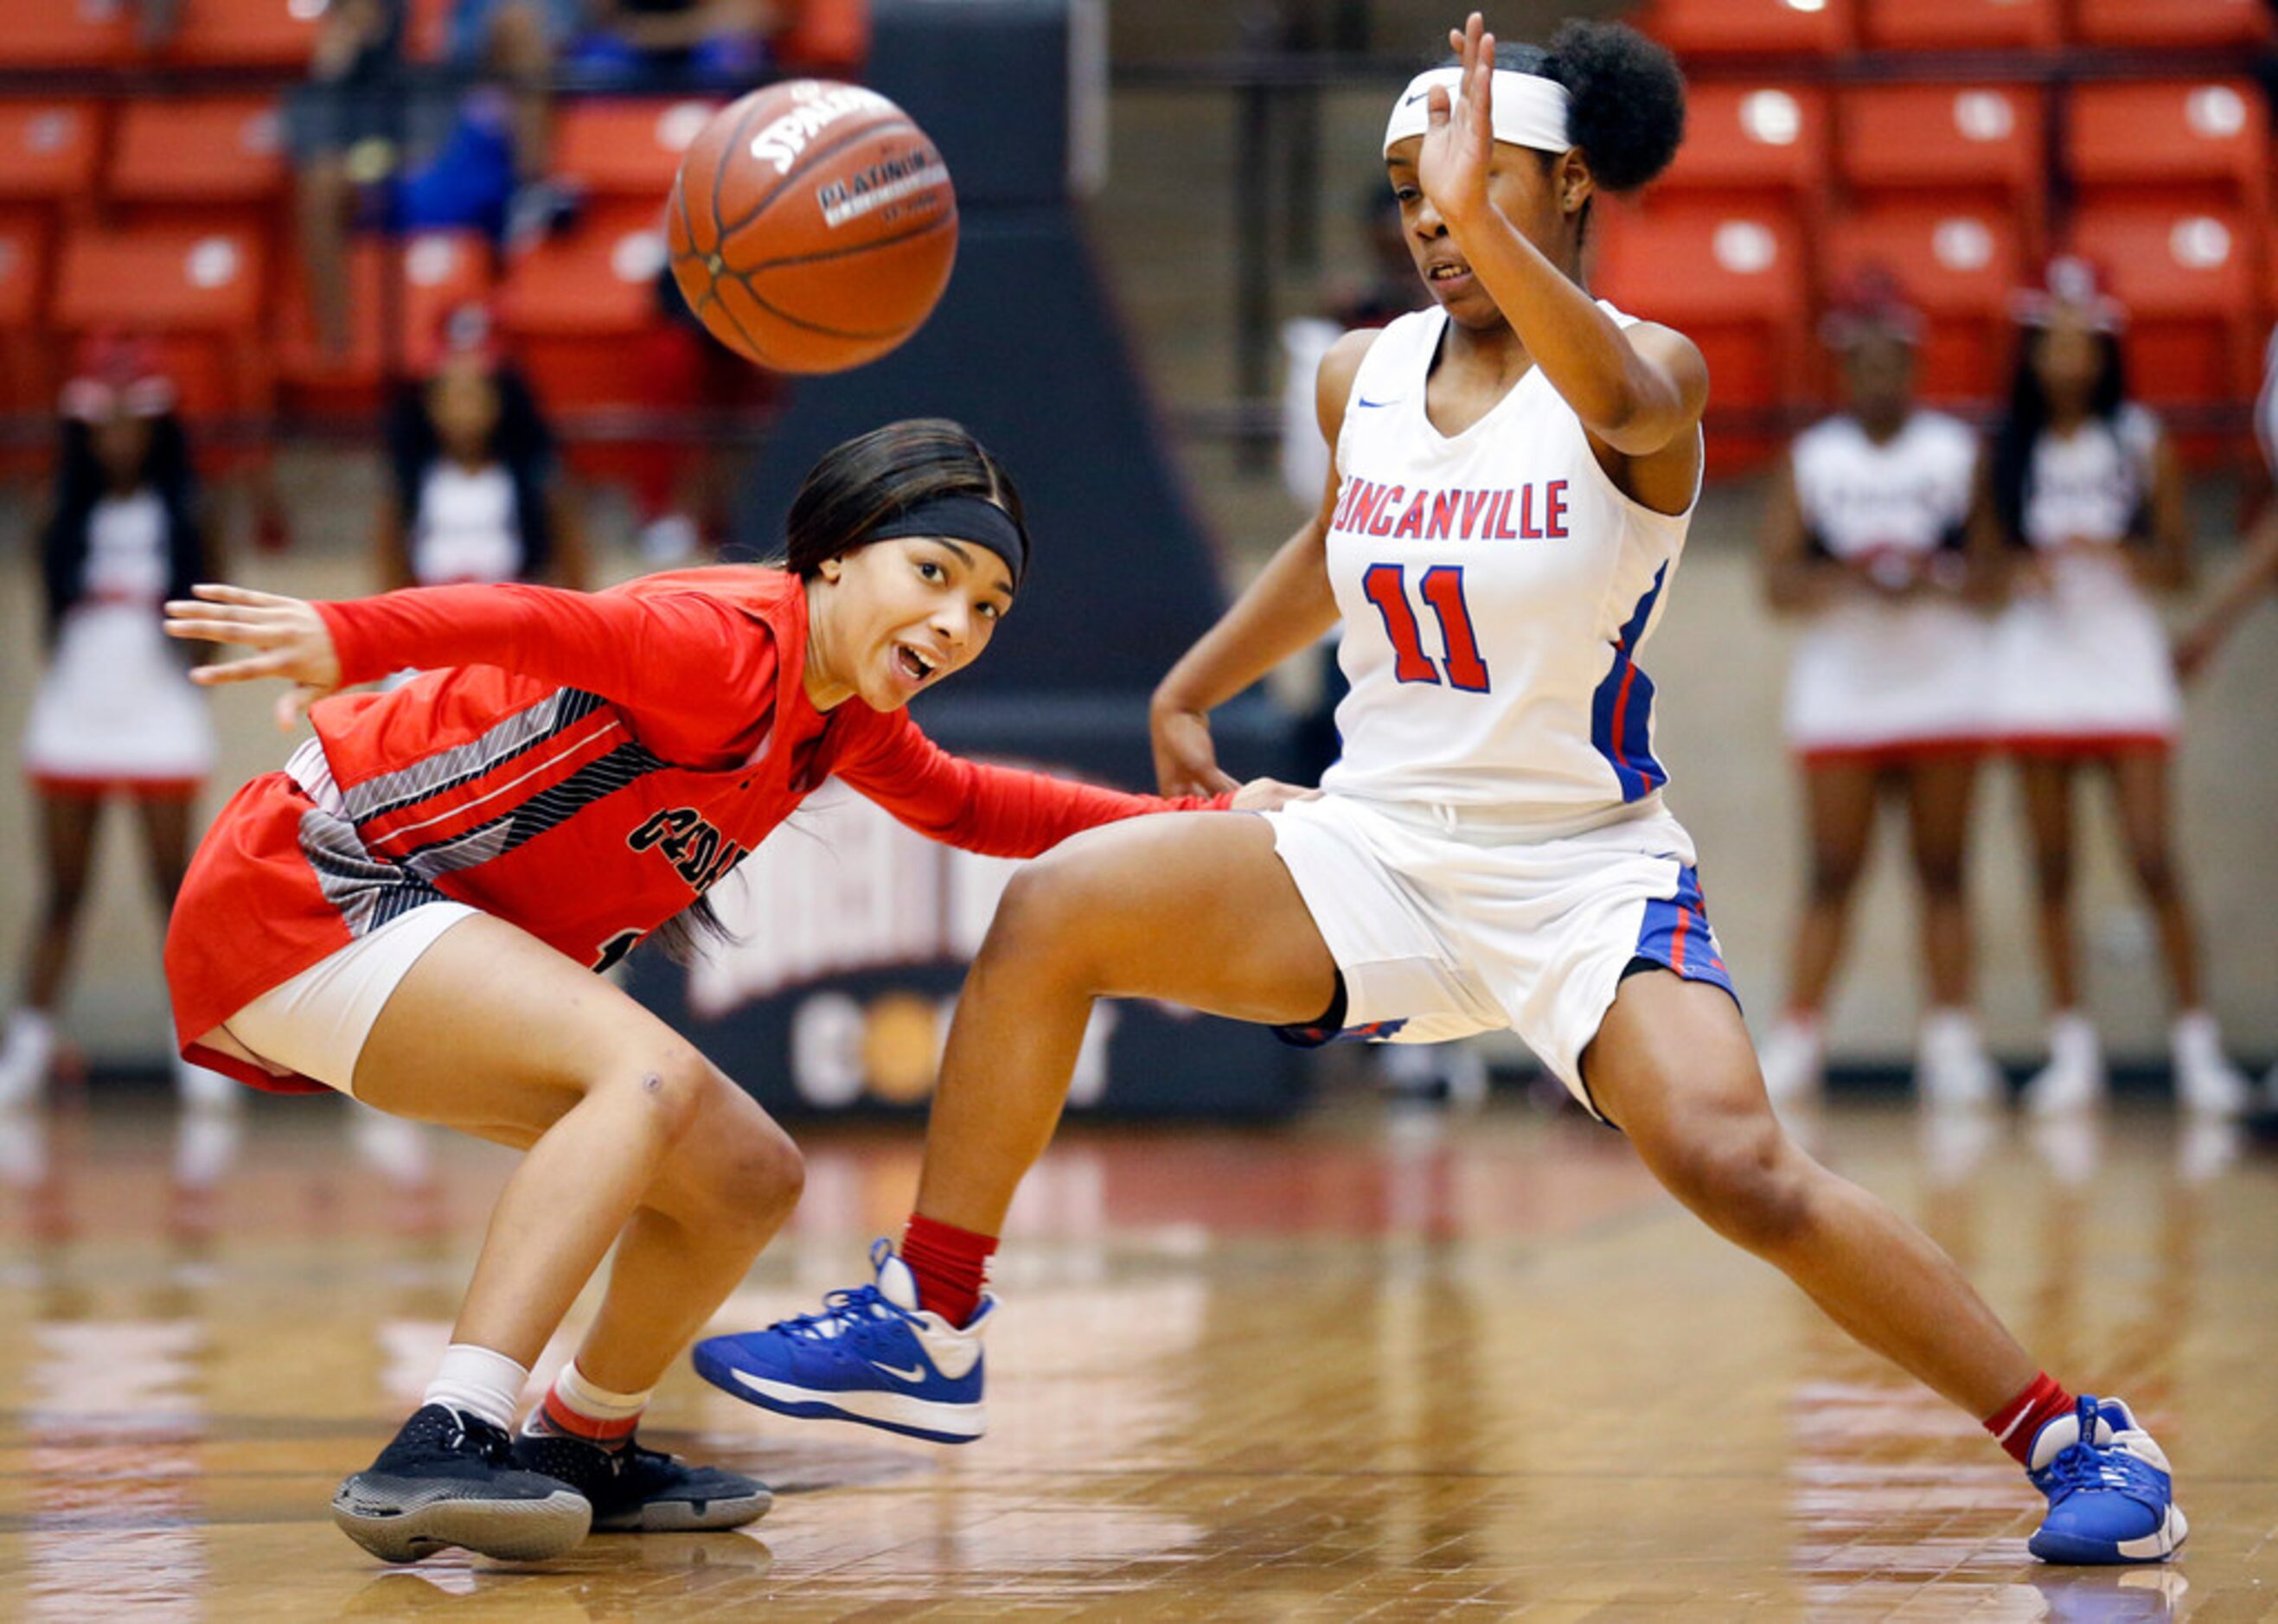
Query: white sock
pixel 581 1407
pixel 478 1382
pixel 2196 1039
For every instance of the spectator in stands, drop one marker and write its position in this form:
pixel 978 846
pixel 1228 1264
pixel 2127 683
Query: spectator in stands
pixel 664 42
pixel 1878 535
pixel 367 149
pixel 2089 497
pixel 477 494
pixel 116 715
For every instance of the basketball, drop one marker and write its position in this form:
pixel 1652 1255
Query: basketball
pixel 812 226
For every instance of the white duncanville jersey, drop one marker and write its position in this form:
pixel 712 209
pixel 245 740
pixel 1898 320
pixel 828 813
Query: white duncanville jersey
pixel 1496 587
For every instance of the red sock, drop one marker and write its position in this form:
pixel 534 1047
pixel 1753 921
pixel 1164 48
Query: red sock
pixel 950 1265
pixel 2015 1423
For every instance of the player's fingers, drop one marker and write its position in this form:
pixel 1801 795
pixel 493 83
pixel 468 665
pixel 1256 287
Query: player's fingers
pixel 250 669
pixel 293 705
pixel 221 591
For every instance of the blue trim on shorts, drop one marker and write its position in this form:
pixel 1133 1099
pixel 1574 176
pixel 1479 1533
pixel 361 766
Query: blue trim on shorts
pixel 1674 935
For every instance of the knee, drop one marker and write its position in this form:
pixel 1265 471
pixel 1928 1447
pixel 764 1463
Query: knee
pixel 1938 873
pixel 2155 873
pixel 1038 917
pixel 1743 1177
pixel 746 1178
pixel 669 1091
pixel 1834 875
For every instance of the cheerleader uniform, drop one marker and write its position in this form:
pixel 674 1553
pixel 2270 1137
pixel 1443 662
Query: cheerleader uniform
pixel 1884 680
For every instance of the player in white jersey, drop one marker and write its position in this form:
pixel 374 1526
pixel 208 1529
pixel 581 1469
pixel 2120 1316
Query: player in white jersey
pixel 1876 537
pixel 1514 474
pixel 2090 496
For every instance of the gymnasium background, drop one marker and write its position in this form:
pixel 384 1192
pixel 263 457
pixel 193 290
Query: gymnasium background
pixel 1192 180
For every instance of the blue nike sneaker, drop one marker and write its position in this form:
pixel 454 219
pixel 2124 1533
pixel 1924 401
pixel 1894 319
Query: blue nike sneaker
pixel 2112 1496
pixel 872 1355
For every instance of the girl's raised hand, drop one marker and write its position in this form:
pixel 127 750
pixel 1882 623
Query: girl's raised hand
pixel 289 635
pixel 1459 136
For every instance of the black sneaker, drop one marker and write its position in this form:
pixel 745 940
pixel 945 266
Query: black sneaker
pixel 637 1490
pixel 450 1479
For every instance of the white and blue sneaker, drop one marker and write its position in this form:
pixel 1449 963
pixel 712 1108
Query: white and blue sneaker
pixel 872 1355
pixel 2111 1496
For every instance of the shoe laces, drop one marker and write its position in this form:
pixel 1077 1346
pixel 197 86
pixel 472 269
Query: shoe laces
pixel 2105 1467
pixel 844 1313
pixel 490 1442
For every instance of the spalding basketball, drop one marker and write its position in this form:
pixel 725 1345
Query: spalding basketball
pixel 812 226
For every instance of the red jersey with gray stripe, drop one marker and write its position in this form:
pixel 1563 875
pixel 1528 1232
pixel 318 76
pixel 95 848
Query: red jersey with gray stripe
pixel 1496 588
pixel 583 766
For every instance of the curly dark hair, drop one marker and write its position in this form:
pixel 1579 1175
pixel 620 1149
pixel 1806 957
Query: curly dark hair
pixel 1627 112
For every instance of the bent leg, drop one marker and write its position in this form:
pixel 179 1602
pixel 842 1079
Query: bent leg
pixel 1195 909
pixel 628 1128
pixel 1672 1067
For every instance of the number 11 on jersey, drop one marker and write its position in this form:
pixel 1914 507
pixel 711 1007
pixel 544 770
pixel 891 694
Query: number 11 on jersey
pixel 1442 587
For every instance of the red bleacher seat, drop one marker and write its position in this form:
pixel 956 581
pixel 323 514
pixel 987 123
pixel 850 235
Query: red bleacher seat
pixel 1744 141
pixel 203 151
pixel 27 377
pixel 2171 141
pixel 2188 279
pixel 199 291
pixel 1735 280
pixel 1751 27
pixel 2171 22
pixel 49 149
pixel 572 301
pixel 264 34
pixel 1959 266
pixel 831 38
pixel 629 148
pixel 1953 144
pixel 1963 25
pixel 440 271
pixel 66 33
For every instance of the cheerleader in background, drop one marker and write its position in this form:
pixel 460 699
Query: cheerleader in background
pixel 2089 497
pixel 1877 533
pixel 115 716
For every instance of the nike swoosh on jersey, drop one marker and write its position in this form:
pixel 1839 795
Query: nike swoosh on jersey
pixel 1418 97
pixel 1364 401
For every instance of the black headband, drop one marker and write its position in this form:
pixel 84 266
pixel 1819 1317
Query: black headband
pixel 964 518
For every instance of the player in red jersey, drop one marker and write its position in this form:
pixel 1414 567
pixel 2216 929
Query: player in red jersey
pixel 411 911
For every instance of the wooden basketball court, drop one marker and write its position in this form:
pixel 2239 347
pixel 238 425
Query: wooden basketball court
pixel 1366 1366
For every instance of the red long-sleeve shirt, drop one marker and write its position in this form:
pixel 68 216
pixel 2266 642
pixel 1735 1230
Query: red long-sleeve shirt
pixel 583 766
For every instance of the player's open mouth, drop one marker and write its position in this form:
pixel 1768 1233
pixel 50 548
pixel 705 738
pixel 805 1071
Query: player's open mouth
pixel 914 665
pixel 1447 274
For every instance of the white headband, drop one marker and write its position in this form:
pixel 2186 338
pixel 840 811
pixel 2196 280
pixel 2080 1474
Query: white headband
pixel 1529 110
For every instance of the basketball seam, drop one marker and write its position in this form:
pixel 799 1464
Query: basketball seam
pixel 860 248
pixel 720 175
pixel 780 314
pixel 807 161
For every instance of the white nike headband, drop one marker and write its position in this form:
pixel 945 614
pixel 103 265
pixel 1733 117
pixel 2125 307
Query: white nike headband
pixel 1529 110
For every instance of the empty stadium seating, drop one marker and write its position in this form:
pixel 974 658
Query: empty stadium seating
pixel 1766 28
pixel 1736 281
pixel 626 149
pixel 1978 145
pixel 2189 280
pixel 1963 25
pixel 390 334
pixel 49 150
pixel 2205 141
pixel 65 34
pixel 1745 141
pixel 1958 266
pixel 2171 23
pixel 26 364
pixel 244 33
pixel 201 151
pixel 199 291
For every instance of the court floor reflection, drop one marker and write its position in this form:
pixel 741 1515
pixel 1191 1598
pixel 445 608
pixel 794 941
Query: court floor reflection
pixel 1322 1372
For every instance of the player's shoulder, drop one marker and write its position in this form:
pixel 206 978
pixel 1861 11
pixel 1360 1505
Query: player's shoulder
pixel 752 588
